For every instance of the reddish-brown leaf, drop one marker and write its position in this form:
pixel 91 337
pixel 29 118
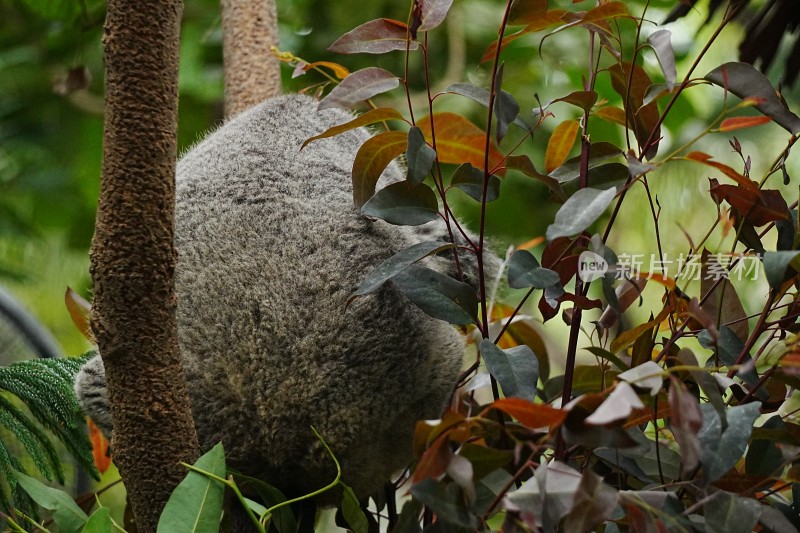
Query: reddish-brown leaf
pixel 758 206
pixel 738 123
pixel 642 119
pixel 534 23
pixel 528 414
pixel 359 86
pixel 706 159
pixel 79 311
pixel 685 422
pixel 434 460
pixel 459 141
pixel 628 337
pixel 372 159
pixel 374 37
pixel 560 144
pixel 370 117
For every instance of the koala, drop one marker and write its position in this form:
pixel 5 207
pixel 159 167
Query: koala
pixel 270 249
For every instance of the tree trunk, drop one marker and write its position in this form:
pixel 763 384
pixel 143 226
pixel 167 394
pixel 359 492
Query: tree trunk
pixel 133 256
pixel 252 74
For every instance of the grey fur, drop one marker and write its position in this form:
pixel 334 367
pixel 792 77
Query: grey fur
pixel 270 249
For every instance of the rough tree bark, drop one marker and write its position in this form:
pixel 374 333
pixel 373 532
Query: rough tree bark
pixel 252 74
pixel 133 256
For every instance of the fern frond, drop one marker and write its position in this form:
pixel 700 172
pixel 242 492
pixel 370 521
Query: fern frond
pixel 45 386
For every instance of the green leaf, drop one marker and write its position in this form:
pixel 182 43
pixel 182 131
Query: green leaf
pixel 721 450
pixel 506 107
pixel 764 458
pixel 99 522
pixel 372 159
pixel 445 501
pixel 438 295
pixel 61 10
pixel 481 96
pixel 403 204
pixel 725 513
pixel 776 264
pixel 282 518
pixel 66 513
pixel 745 81
pixel 608 356
pixel 515 369
pixel 470 180
pixel 409 517
pixel 525 271
pixel 397 263
pixel 196 503
pixel 579 212
pixel 351 509
pixel 419 156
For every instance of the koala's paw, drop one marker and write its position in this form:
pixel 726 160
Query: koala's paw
pixel 92 394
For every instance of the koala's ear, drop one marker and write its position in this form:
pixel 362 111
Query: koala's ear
pixel 92 394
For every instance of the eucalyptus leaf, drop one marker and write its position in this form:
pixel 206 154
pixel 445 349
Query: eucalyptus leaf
pixel 196 503
pixel 419 156
pixel 776 265
pixel 446 502
pixel 506 107
pixel 438 295
pixel 99 522
pixel 525 271
pixel 579 212
pixel 515 369
pixel 403 204
pixel 470 180
pixel 728 513
pixel 397 263
pixel 721 450
pixel 351 509
pixel 481 96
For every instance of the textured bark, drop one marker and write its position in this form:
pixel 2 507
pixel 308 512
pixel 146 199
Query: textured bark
pixel 252 74
pixel 133 256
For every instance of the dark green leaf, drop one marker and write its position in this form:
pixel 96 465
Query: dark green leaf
pixel 525 271
pixel 764 458
pixel 66 513
pixel 685 422
pixel 470 180
pixel 445 502
pixel 721 450
pixel 776 265
pixel 484 459
pixel 523 164
pixel 515 369
pixel 359 86
pixel 403 204
pixel 397 263
pixel 605 354
pixel 409 517
pixel 282 518
pixel 583 99
pixel 745 81
pixel 352 512
pixel 579 212
pixel 599 153
pixel 727 513
pixel 196 503
pixel 438 295
pixel 506 107
pixel 419 156
pixel 509 106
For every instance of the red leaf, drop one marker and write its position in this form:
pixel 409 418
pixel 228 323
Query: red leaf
pixel 704 158
pixel 738 123
pixel 359 86
pixel 374 37
pixel 528 414
pixel 434 460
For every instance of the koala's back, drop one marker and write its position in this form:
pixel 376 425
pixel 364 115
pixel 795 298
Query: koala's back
pixel 270 248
